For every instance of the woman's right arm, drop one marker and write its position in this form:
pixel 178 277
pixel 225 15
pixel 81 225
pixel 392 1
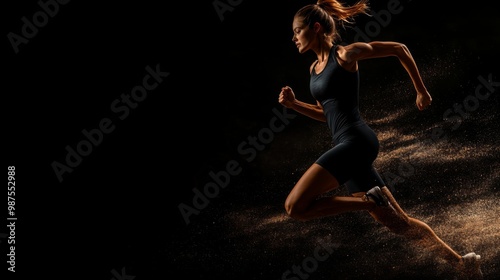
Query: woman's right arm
pixel 287 99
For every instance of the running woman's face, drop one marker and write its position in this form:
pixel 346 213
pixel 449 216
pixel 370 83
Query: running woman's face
pixel 303 36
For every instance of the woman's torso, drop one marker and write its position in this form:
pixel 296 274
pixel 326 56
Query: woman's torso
pixel 338 92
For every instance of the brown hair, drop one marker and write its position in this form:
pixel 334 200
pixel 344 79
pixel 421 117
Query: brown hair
pixel 330 12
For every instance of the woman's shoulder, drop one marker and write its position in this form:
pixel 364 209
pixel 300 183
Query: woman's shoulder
pixel 344 57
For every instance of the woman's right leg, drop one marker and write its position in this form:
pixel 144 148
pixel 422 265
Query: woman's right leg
pixel 416 230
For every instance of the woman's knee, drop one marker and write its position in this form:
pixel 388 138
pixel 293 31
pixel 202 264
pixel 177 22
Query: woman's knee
pixel 314 182
pixel 294 211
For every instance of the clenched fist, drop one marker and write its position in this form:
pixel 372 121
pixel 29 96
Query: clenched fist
pixel 286 97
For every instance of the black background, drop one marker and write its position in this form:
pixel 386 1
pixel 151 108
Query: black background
pixel 119 206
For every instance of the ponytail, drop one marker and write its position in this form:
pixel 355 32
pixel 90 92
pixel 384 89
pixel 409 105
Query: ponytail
pixel 329 13
pixel 342 13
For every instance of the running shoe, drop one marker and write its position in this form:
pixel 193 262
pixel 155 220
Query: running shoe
pixel 472 267
pixel 378 196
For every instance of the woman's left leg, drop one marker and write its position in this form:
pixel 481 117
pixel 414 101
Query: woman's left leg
pixel 303 203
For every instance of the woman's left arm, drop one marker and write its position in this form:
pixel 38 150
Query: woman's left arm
pixel 355 52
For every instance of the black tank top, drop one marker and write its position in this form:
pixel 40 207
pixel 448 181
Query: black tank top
pixel 338 92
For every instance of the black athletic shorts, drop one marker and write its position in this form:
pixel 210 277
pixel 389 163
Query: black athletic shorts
pixel 350 160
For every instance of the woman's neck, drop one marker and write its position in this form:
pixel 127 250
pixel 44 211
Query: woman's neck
pixel 323 52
